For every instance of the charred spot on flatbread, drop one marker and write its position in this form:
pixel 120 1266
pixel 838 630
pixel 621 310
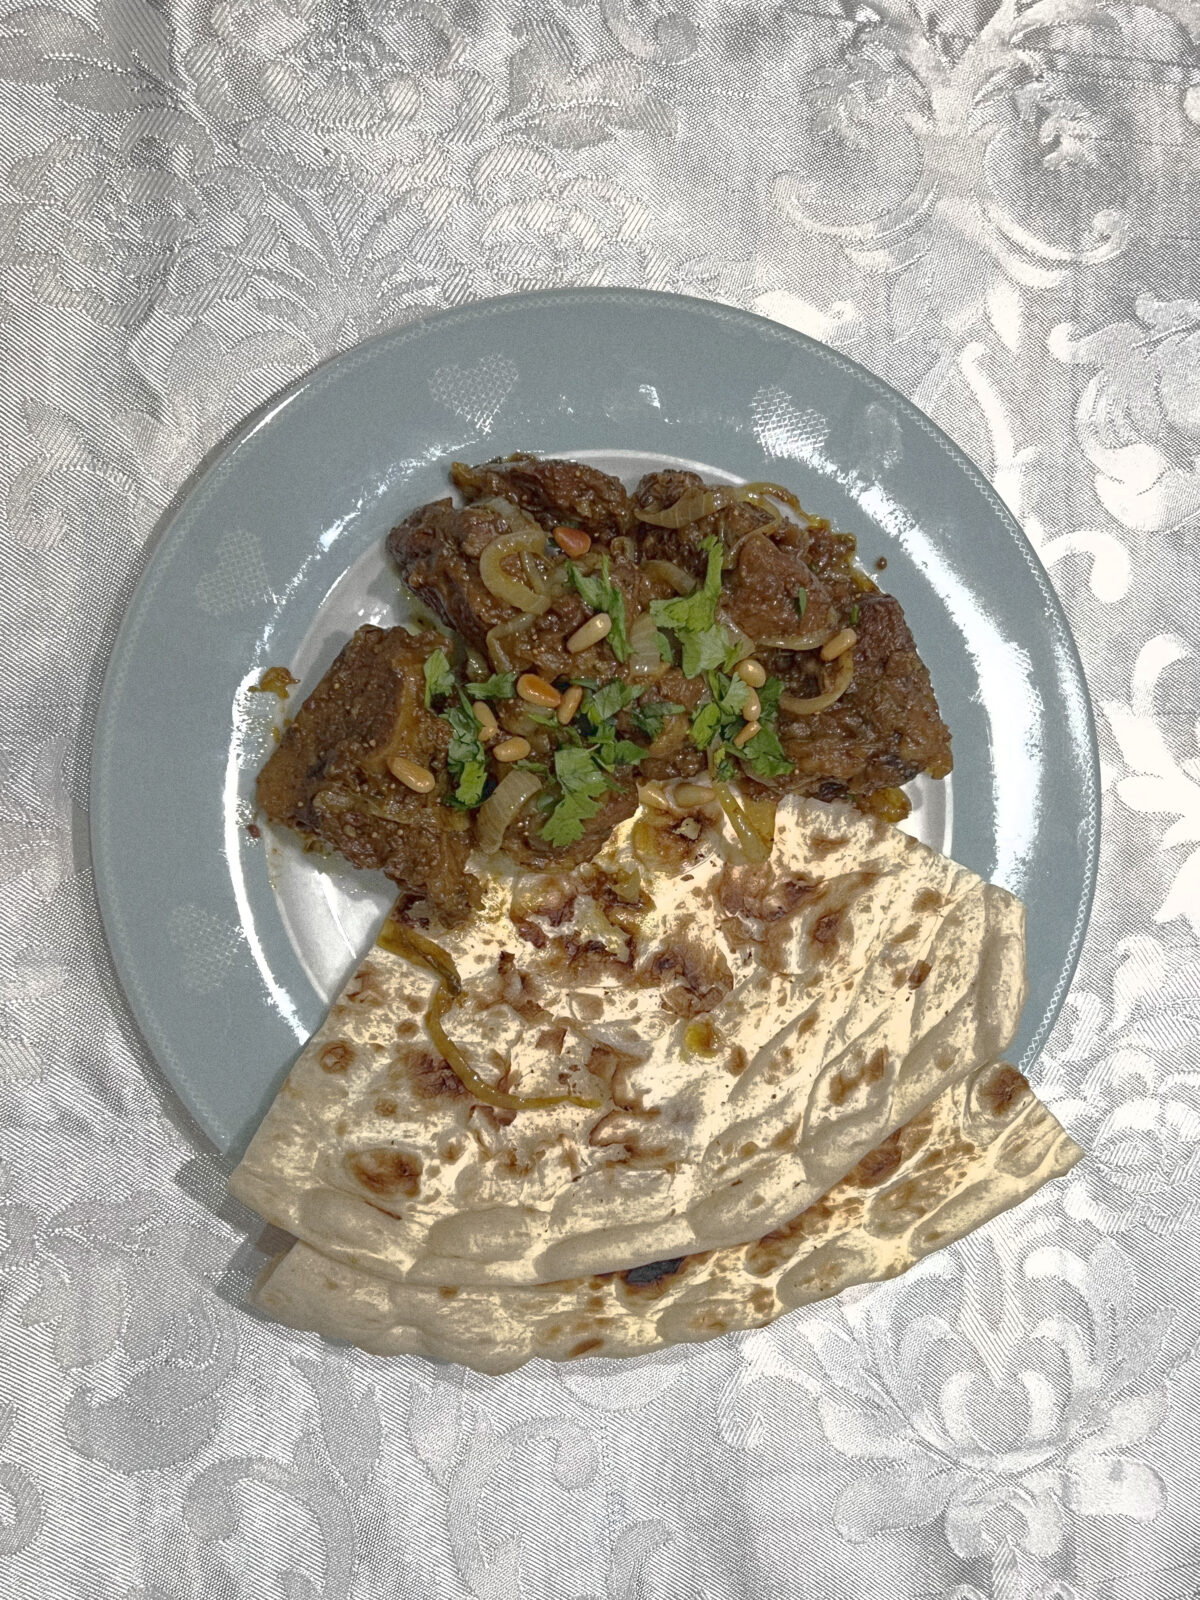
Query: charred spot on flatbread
pixel 386 1171
pixel 433 1078
pixel 336 1057
pixel 702 974
pixel 1002 1091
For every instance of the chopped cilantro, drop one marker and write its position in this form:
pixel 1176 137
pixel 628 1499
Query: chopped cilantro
pixel 500 686
pixel 768 699
pixel 764 755
pixel 603 595
pixel 802 602
pixel 582 784
pixel 706 724
pixel 719 720
pixel 465 758
pixel 706 643
pixel 605 703
pixel 649 717
pixel 696 611
pixel 854 617
pixel 439 680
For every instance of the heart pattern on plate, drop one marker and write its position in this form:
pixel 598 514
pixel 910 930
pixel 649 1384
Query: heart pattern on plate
pixel 239 578
pixel 475 393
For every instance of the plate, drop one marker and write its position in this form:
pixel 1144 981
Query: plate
pixel 230 946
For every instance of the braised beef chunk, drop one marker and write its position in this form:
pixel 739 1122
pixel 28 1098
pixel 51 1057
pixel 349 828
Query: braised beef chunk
pixel 437 549
pixel 653 698
pixel 552 492
pixel 886 727
pixel 329 778
pixel 763 591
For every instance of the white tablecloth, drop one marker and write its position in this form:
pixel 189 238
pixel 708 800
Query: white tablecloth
pixel 994 206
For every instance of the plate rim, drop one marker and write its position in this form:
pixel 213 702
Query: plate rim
pixel 189 499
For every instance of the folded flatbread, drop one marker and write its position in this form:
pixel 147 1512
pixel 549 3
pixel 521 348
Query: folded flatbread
pixel 734 1039
pixel 981 1147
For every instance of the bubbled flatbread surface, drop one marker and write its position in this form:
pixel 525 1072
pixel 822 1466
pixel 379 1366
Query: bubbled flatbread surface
pixel 749 1032
pixel 981 1147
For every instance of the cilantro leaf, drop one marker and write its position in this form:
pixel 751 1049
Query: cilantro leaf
pixel 583 784
pixel 730 693
pixel 703 651
pixel 603 595
pixel 802 602
pixel 706 724
pixel 605 703
pixel 706 643
pixel 439 680
pixel 854 614
pixel 648 718
pixel 768 699
pixel 465 758
pixel 500 686
pixel 764 755
pixel 693 613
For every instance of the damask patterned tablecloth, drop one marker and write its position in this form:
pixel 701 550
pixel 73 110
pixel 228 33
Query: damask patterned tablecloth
pixel 995 207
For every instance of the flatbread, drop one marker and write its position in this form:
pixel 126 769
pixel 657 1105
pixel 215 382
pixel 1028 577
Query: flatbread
pixel 983 1146
pixel 747 1035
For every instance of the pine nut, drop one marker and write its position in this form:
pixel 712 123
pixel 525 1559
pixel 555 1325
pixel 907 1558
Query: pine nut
pixel 838 645
pixel 686 795
pixel 419 779
pixel 752 709
pixel 752 672
pixel 537 691
pixel 593 630
pixel 488 726
pixel 570 704
pixel 572 541
pixel 512 749
pixel 747 733
pixel 653 794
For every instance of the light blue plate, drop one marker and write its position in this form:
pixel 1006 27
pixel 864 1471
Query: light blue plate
pixel 230 947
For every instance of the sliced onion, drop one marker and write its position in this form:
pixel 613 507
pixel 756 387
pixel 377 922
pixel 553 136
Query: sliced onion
pixel 511 590
pixel 690 507
pixel 443 1000
pixel 670 736
pixel 755 848
pixel 682 582
pixel 645 662
pixel 697 504
pixel 797 641
pixel 500 659
pixel 502 805
pixel 760 491
pixel 799 707
pixel 400 940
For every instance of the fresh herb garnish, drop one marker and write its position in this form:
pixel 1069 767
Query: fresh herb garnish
pixel 854 616
pixel 705 642
pixel 764 755
pixel 719 720
pixel 802 602
pixel 599 710
pixel 649 716
pixel 768 699
pixel 583 784
pixel 439 679
pixel 603 595
pixel 466 757
pixel 600 704
pixel 500 686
